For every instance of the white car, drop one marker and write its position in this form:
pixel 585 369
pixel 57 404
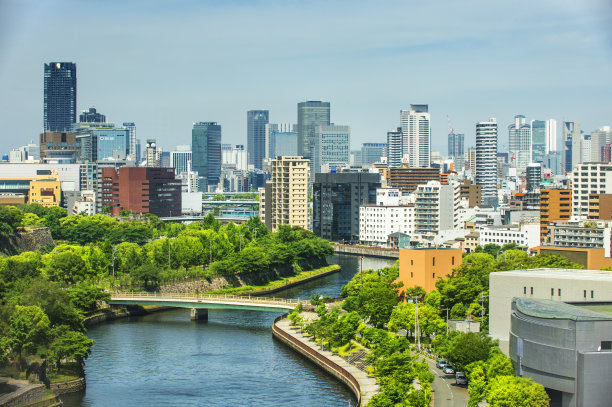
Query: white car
pixel 460 378
pixel 448 369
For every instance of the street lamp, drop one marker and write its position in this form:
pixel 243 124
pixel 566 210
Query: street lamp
pixel 446 309
pixel 416 321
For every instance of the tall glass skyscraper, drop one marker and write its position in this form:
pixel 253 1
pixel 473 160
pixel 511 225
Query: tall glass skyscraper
pixel 60 94
pixel 456 151
pixel 256 136
pixel 519 140
pixel 310 115
pixel 206 153
pixel 538 140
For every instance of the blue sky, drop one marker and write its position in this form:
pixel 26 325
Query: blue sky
pixel 165 65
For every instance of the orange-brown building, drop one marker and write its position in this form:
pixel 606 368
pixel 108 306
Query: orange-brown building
pixel 600 206
pixel 407 179
pixel 591 259
pixel 472 192
pixel 555 205
pixel 46 189
pixel 423 267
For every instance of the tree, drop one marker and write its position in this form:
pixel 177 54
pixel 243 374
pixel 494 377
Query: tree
pixel 466 348
pixel 55 303
pixel 68 267
pixel 28 329
pixel 477 386
pixel 218 197
pixel 376 302
pixel 10 218
pixel 85 296
pixel 499 365
pixel 69 345
pixel 147 275
pixel 512 391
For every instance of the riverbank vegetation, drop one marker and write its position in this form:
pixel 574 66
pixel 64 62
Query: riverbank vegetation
pixel 45 295
pixel 389 320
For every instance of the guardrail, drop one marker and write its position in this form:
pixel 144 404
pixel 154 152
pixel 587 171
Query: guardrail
pixel 209 297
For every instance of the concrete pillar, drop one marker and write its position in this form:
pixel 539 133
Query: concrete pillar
pixel 198 314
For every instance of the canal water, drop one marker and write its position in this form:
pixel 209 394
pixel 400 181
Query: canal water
pixel 164 359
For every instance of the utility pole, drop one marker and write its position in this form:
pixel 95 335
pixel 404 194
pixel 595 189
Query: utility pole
pixel 446 309
pixel 169 243
pixel 114 251
pixel 416 321
pixel 482 297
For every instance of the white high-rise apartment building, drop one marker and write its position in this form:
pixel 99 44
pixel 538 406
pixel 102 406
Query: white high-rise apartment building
pixel 286 194
pixel 436 208
pixel 589 178
pixel 416 130
pixel 572 145
pixel 486 160
pixel 519 138
pixel 387 216
pixel 395 148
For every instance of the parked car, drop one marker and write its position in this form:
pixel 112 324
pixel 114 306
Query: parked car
pixel 441 363
pixel 448 369
pixel 460 378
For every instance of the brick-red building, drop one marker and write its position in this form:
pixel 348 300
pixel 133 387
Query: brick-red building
pixel 141 190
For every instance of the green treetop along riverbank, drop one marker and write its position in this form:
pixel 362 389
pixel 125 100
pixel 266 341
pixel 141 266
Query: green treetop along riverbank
pixel 45 295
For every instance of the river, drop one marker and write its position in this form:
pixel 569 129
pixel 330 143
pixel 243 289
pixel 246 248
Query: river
pixel 164 359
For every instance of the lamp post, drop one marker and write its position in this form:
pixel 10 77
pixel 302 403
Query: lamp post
pixel 416 321
pixel 446 309
pixel 114 251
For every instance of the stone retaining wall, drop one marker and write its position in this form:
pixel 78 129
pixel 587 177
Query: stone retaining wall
pixel 25 393
pixel 320 360
pixel 383 252
pixel 69 386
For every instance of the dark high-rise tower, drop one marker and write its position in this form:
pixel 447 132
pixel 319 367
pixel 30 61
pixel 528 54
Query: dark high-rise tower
pixel 206 153
pixel 256 136
pixel 60 96
pixel 310 115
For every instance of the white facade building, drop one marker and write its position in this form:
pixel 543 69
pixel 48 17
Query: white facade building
pixel 416 131
pixel 519 137
pixel 180 159
pixel 436 208
pixel 589 178
pixel 234 157
pixel 486 160
pixel 377 222
pixel 592 234
pixel 331 145
pixel 525 235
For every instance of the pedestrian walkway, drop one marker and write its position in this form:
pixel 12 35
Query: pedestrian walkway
pixel 367 383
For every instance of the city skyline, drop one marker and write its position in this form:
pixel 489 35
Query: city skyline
pixel 367 68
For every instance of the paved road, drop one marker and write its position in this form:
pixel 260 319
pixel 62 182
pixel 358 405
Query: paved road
pixel 446 392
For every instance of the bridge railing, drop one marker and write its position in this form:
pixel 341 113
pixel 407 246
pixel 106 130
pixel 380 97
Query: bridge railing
pixel 213 297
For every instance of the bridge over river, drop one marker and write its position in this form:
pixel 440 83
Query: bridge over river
pixel 201 303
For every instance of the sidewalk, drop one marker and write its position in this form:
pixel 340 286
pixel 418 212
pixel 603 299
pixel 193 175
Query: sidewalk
pixel 367 383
